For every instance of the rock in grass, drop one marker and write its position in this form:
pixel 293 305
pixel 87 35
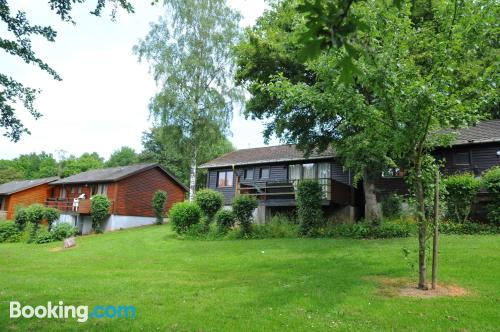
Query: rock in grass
pixel 69 242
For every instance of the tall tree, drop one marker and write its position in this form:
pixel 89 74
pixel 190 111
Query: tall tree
pixel 87 161
pixel 122 157
pixel 190 54
pixel 416 70
pixel 22 30
pixel 166 146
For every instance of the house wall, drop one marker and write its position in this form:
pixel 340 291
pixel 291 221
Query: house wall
pixel 38 194
pixel 278 172
pixel 134 194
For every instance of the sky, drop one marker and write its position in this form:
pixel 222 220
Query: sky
pixel 102 102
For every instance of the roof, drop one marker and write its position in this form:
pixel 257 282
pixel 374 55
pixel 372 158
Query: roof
pixel 10 188
pixel 114 174
pixel 268 154
pixel 483 132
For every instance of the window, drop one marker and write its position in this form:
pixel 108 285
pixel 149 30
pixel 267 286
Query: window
pixel 225 179
pixel 3 204
pixel 248 174
pixel 62 193
pixel 309 171
pixel 395 172
pixel 80 189
pixel 102 189
pixel 294 172
pixel 462 158
pixel 264 173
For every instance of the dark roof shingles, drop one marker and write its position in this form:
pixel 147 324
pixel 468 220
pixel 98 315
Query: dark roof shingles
pixel 485 131
pixel 16 186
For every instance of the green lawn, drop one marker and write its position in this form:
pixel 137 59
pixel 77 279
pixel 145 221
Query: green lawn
pixel 253 285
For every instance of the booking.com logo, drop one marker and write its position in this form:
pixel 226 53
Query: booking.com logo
pixel 61 311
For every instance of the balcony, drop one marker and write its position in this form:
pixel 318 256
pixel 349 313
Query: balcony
pixel 283 193
pixel 66 206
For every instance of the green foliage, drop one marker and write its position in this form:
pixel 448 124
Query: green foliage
pixel 193 72
pixel 310 214
pixel 392 206
pixel 159 201
pixel 63 231
pixel 367 230
pixel 85 162
pixel 467 228
pixel 225 220
pixel 184 215
pixel 209 201
pixel 123 157
pixel 461 189
pixel 243 207
pixel 20 217
pixel 14 92
pixel 99 211
pixel 43 236
pixel 9 232
pixel 491 181
pixel 35 214
pixel 51 215
pixel 8 172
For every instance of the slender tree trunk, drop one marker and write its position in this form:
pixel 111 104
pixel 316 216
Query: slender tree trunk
pixel 422 227
pixel 372 211
pixel 192 178
pixel 436 232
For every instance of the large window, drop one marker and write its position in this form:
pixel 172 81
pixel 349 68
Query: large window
pixel 295 172
pixel 225 179
pixel 264 172
pixel 462 158
pixel 248 174
pixel 99 189
pixel 3 203
pixel 309 171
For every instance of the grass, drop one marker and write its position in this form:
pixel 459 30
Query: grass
pixel 248 285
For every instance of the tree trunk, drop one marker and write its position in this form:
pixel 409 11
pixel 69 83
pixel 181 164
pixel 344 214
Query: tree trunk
pixel 422 227
pixel 372 211
pixel 436 233
pixel 192 179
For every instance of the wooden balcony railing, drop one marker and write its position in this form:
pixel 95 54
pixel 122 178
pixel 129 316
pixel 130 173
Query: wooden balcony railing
pixel 279 190
pixel 68 205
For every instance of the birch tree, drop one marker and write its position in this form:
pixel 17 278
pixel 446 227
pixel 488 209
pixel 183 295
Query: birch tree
pixel 190 56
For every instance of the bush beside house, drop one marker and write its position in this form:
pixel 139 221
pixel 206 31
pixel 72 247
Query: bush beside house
pixel 159 207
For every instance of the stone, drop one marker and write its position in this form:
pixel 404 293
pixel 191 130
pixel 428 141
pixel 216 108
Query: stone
pixel 69 242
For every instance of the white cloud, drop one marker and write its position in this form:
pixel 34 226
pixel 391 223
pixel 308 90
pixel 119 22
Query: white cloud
pixel 102 102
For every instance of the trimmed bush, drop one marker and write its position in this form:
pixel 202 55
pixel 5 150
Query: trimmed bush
pixel 9 232
pixel 310 214
pixel 224 219
pixel 35 215
pixel 461 189
pixel 99 210
pixel 491 181
pixel 43 236
pixel 20 218
pixel 62 231
pixel 159 201
pixel 392 206
pixel 51 215
pixel 184 215
pixel 210 202
pixel 243 207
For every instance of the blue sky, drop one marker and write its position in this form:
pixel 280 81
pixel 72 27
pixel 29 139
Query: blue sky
pixel 101 104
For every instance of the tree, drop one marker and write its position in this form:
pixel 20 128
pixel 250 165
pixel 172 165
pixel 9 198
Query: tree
pixel 122 157
pixel 8 172
pixel 417 70
pixel 85 162
pixel 159 201
pixel 166 145
pixel 19 26
pixel 190 54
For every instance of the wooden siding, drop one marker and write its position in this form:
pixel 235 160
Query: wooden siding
pixel 27 197
pixel 134 194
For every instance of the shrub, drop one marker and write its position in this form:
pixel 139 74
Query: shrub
pixel 20 218
pixel 51 215
pixel 9 232
pixel 43 236
pixel 310 214
pixel 99 210
pixel 183 215
pixel 391 230
pixel 159 201
pixel 392 206
pixel 210 202
pixel 461 189
pixel 366 230
pixel 224 219
pixel 62 231
pixel 468 228
pixel 243 207
pixel 491 181
pixel 278 227
pixel 35 215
